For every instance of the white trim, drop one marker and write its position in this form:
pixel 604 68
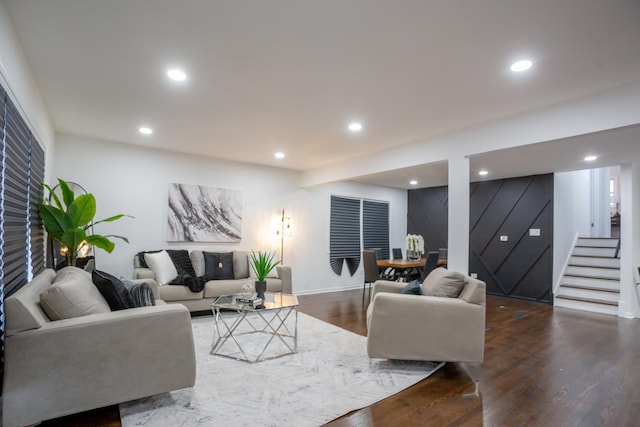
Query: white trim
pixel 566 264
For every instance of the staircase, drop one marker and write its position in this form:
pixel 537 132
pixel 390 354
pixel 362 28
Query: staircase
pixel 591 280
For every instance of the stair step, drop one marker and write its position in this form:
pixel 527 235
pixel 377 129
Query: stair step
pixel 582 294
pixel 594 272
pixel 589 288
pixel 586 306
pixel 594 261
pixel 593 251
pixel 600 242
pixel 592 282
pixel 588 300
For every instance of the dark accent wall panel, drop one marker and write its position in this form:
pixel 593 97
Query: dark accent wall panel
pixel 521 267
pixel 428 215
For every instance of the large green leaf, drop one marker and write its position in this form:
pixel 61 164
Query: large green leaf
pixel 55 221
pixel 53 196
pixel 112 218
pixel 118 237
pixel 73 237
pixel 82 210
pixel 67 192
pixel 101 242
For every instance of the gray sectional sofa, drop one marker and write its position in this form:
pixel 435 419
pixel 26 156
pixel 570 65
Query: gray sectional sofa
pixel 90 356
pixel 201 301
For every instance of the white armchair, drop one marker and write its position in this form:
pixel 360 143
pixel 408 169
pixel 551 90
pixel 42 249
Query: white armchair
pixel 419 327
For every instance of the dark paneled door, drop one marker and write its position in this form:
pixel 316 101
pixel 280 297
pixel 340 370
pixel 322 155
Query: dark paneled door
pixel 519 265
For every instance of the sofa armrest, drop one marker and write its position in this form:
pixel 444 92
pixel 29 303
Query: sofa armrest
pixel 410 326
pixel 284 273
pixel 387 286
pixel 74 365
pixel 143 273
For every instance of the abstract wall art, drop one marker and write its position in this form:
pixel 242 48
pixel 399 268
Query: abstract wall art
pixel 204 214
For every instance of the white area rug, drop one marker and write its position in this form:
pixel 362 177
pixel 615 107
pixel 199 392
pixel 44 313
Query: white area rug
pixel 330 376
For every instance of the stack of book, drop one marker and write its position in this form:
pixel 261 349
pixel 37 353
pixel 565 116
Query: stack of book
pixel 249 301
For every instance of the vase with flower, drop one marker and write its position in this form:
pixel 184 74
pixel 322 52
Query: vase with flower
pixel 414 246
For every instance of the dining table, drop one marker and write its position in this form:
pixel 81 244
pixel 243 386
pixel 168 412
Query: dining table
pixel 403 268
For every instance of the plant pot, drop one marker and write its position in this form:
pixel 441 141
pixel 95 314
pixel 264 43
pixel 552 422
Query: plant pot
pixel 413 255
pixel 261 288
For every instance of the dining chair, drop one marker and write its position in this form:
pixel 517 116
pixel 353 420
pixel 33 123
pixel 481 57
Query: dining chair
pixel 371 272
pixel 430 264
pixel 397 253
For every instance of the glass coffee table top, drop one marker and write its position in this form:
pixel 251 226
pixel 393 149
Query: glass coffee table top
pixel 272 301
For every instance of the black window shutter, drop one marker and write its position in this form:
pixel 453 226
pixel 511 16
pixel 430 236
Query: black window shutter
pixel 36 178
pixel 344 234
pixel 2 140
pixel 16 200
pixel 375 226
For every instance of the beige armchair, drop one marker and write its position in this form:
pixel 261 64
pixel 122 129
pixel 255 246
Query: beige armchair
pixel 418 327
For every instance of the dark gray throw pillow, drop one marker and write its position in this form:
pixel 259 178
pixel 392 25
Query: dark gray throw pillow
pixel 141 293
pixel 113 290
pixel 218 265
pixel 413 288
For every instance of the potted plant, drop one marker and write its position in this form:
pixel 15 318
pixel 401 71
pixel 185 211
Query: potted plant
pixel 262 263
pixel 67 222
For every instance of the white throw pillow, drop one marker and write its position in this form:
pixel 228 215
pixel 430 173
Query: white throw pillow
pixel 162 266
pixel 252 272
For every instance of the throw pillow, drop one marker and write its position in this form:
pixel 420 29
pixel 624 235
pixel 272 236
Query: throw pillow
pixel 113 290
pixel 72 294
pixel 138 259
pixel 162 266
pixel 252 272
pixel 412 288
pixel 443 283
pixel 218 265
pixel 240 265
pixel 141 293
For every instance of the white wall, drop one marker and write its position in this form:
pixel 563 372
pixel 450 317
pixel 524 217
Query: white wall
pixel 134 180
pixel 16 78
pixel 629 304
pixel 571 215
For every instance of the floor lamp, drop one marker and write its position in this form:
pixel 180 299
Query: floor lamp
pixel 284 230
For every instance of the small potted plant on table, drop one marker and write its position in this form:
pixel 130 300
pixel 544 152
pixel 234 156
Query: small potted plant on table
pixel 262 264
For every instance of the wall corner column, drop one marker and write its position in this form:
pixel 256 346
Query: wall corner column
pixel 629 305
pixel 458 206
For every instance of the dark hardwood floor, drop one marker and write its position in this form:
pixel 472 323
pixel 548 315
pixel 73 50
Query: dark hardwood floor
pixel 543 366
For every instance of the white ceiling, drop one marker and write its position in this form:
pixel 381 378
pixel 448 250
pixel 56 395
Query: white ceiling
pixel 277 75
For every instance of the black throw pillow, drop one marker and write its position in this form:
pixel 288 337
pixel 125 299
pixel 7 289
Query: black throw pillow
pixel 141 293
pixel 218 265
pixel 412 288
pixel 113 290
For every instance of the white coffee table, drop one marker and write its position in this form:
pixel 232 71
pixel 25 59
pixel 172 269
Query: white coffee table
pixel 253 334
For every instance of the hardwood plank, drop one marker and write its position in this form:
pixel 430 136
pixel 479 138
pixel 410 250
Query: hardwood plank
pixel 544 366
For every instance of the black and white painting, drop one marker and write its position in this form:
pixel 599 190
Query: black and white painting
pixel 204 214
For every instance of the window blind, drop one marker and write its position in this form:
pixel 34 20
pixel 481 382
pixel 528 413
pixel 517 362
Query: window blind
pixel 36 227
pixel 344 234
pixel 375 227
pixel 15 230
pixel 21 230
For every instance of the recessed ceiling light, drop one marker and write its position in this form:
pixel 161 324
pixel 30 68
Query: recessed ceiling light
pixel 590 158
pixel 279 155
pixel 413 182
pixel 522 65
pixel 355 127
pixel 145 130
pixel 483 172
pixel 177 75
